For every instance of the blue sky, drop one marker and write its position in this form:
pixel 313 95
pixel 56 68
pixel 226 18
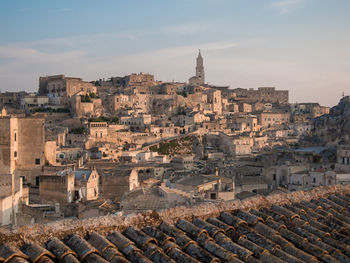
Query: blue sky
pixel 300 45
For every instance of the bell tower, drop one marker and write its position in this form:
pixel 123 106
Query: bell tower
pixel 200 68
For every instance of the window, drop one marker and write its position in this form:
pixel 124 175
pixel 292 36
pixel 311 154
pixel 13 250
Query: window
pixel 15 154
pixel 37 161
pixel 15 137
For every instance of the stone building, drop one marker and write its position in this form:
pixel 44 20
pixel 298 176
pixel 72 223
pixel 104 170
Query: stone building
pixel 82 107
pixel 119 101
pixel 170 88
pixel 12 99
pixel 343 154
pixel 34 101
pixel 51 152
pixel 22 144
pixel 134 80
pixel 243 123
pixel 57 188
pixel 199 117
pixel 303 179
pixel 210 187
pixel 185 161
pixel 59 88
pixel 116 181
pixel 98 130
pixel 263 94
pixel 67 186
pixel 307 111
pixel 269 119
pixel 11 195
pixel 214 99
pixel 343 158
pixel 245 107
pixel 137 123
pixel 234 145
pixel 86 184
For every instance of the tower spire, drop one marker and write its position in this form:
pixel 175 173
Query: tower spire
pixel 200 68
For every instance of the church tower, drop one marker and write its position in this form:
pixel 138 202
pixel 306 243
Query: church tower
pixel 200 68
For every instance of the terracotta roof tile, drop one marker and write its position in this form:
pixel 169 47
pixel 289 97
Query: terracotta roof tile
pixel 305 231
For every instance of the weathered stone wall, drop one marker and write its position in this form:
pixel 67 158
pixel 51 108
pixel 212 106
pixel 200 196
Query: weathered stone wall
pixel 22 142
pixel 5 152
pixel 50 152
pixel 56 189
pixel 31 143
pixel 265 94
pixel 9 205
pixel 268 119
pixel 113 186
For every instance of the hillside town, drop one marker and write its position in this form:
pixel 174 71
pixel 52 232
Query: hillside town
pixel 122 145
pixel 187 131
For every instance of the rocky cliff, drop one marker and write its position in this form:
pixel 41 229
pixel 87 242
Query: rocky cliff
pixel 332 128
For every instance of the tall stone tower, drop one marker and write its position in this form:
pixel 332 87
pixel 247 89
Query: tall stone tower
pixel 200 68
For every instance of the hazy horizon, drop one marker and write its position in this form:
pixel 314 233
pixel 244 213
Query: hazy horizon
pixel 298 45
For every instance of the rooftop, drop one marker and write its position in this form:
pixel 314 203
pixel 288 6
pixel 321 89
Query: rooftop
pixel 82 174
pixel 311 226
pixel 196 180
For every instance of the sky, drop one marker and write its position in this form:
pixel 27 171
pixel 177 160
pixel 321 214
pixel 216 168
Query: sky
pixel 299 45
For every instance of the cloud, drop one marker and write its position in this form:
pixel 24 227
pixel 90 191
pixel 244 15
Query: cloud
pixel 77 42
pixel 246 63
pixel 33 55
pixel 187 29
pixel 286 6
pixel 189 49
pixel 66 9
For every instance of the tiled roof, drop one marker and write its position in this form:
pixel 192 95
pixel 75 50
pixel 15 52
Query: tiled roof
pixel 315 230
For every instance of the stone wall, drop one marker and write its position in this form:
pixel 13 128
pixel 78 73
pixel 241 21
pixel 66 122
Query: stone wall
pixel 5 149
pixel 50 152
pixel 31 143
pixel 56 189
pixel 9 204
pixel 264 94
pixel 22 142
pixel 112 186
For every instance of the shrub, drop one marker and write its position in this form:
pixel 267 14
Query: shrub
pixel 80 130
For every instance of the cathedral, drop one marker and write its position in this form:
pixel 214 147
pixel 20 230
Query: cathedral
pixel 199 78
